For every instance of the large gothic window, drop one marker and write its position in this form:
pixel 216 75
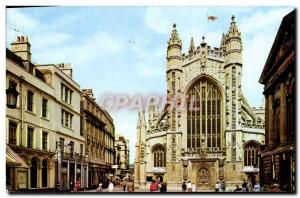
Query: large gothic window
pixel 204 118
pixel 251 150
pixel 159 155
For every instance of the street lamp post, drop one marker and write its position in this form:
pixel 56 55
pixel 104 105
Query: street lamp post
pixel 11 97
pixel 59 146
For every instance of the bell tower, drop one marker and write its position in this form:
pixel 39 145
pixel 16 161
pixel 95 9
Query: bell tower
pixel 233 73
pixel 174 72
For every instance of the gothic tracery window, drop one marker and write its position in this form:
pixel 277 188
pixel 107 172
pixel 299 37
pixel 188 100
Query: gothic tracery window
pixel 251 150
pixel 204 118
pixel 159 156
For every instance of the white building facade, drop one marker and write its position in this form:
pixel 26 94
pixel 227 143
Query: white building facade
pixel 72 163
pixel 44 130
pixel 30 127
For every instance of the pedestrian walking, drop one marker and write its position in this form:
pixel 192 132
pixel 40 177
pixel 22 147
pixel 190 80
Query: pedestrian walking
pixel 275 188
pixel 99 189
pixel 256 187
pixel 76 186
pixel 163 187
pixel 244 186
pixel 194 187
pixel 110 186
pixel 217 187
pixel 129 186
pixel 237 189
pixel 153 186
pixel 158 182
pixel 249 186
pixel 223 186
pixel 189 186
pixel 183 187
pixel 123 184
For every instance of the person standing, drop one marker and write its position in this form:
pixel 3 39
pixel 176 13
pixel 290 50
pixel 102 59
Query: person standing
pixel 163 187
pixel 158 182
pixel 125 185
pixel 110 187
pixel 275 188
pixel 249 186
pixel 256 187
pixel 194 187
pixel 237 189
pixel 189 186
pixel 99 189
pixel 223 186
pixel 244 186
pixel 153 186
pixel 129 186
pixel 217 187
pixel 76 186
pixel 183 187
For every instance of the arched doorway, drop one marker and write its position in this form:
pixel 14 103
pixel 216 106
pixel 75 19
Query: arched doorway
pixel 203 179
pixel 33 173
pixel 44 173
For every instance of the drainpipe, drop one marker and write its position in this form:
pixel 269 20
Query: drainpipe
pixel 22 110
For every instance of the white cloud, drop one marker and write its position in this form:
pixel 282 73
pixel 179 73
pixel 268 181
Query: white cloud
pixel 44 39
pixel 260 20
pixel 157 21
pixel 79 52
pixel 259 32
pixel 16 19
pixel 104 41
pixel 50 39
pixel 64 21
pixel 144 70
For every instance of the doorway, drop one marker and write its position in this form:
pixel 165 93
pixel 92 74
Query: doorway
pixel 44 174
pixel 33 173
pixel 203 179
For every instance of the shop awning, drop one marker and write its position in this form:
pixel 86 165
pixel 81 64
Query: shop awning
pixel 12 159
pixel 250 169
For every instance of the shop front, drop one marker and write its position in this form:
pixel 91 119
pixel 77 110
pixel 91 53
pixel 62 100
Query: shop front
pixel 16 171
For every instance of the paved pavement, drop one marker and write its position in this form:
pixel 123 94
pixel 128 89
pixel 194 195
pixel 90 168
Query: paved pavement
pixel 120 189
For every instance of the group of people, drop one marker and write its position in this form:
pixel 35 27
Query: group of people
pixel 110 187
pixel 248 186
pixel 158 186
pixel 220 186
pixel 126 185
pixel 188 187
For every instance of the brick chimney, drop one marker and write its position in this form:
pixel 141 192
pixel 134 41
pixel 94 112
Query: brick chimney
pixel 66 68
pixel 21 47
pixel 89 92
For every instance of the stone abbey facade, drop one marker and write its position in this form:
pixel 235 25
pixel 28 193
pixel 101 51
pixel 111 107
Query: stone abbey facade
pixel 218 140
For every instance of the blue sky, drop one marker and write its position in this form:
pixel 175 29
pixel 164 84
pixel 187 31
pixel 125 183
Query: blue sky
pixel 123 49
